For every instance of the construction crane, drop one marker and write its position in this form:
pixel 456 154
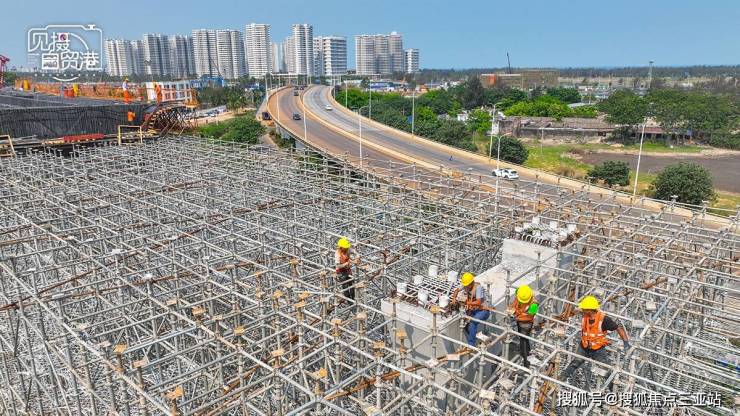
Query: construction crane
pixel 3 65
pixel 509 61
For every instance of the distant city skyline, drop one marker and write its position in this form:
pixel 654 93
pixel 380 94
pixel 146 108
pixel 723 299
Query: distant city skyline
pixel 477 34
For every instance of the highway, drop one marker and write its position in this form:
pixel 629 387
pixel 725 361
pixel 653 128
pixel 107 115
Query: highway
pixel 337 133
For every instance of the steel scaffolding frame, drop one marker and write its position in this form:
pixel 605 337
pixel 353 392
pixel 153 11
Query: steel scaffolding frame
pixel 184 277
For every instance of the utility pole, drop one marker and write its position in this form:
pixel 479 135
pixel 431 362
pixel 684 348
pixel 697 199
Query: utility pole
pixel 650 75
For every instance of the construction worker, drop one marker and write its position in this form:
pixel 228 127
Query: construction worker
pixel 476 304
pixel 126 94
pixel 523 310
pixel 343 262
pixel 130 116
pixel 594 327
pixel 158 91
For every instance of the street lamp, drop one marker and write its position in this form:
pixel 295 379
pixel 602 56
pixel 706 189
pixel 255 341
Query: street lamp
pixel 305 129
pixel 359 120
pixel 639 156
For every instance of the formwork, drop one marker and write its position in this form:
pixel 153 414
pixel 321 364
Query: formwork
pixel 192 278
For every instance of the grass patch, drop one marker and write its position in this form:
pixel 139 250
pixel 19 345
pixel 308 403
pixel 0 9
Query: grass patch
pixel 660 147
pixel 725 204
pixel 555 159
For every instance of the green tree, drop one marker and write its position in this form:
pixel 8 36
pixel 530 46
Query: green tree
pixel 627 109
pixel 512 149
pixel 479 121
pixel 612 172
pixel 566 95
pixel 453 133
pixel 691 182
pixel 244 129
pixel 473 95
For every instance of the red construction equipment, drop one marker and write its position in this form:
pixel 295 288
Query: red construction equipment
pixel 3 65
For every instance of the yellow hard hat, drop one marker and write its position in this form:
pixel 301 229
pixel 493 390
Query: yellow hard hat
pixel 589 303
pixel 524 294
pixel 467 278
pixel 343 243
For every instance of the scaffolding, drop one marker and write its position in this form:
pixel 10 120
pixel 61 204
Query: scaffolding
pixel 190 278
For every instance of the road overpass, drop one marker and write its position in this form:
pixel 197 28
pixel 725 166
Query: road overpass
pixel 337 133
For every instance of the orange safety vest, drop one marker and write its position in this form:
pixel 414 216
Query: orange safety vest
pixel 593 336
pixel 520 310
pixel 343 258
pixel 131 116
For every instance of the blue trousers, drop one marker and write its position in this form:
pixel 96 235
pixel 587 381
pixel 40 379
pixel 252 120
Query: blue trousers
pixel 472 326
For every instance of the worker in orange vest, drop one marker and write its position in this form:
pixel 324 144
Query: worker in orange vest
pixel 126 94
pixel 594 327
pixel 343 262
pixel 523 310
pixel 158 91
pixel 131 116
pixel 476 304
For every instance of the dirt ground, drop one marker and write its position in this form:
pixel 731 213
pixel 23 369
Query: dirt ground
pixel 725 169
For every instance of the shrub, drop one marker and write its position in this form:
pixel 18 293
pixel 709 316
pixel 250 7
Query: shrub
pixel 612 173
pixel 691 182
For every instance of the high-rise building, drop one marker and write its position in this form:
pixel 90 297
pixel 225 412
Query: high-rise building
pixel 230 55
pixel 120 57
pixel 137 49
pixel 379 54
pixel 303 49
pixel 156 54
pixel 182 59
pixel 277 53
pixel 412 61
pixel 289 53
pixel 330 55
pixel 396 52
pixel 205 52
pixel 259 49
pixel 365 55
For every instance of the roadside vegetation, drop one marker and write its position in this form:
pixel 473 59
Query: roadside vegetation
pixel 241 129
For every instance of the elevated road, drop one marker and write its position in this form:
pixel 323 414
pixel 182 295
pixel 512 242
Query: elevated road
pixel 337 133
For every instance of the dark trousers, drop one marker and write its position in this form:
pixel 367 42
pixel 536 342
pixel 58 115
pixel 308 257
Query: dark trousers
pixel 345 279
pixel 599 355
pixel 524 328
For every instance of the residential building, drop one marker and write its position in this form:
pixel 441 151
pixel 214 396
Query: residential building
pixel 289 54
pixel 182 59
pixel 120 57
pixel 157 54
pixel 330 55
pixel 379 54
pixel 365 55
pixel 230 53
pixel 396 54
pixel 259 49
pixel 303 49
pixel 137 50
pixel 277 55
pixel 205 53
pixel 412 61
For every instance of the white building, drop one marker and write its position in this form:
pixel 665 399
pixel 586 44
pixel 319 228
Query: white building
pixel 205 52
pixel 120 57
pixel 412 61
pixel 157 54
pixel 182 59
pixel 137 49
pixel 330 55
pixel 277 54
pixel 396 53
pixel 379 54
pixel 289 54
pixel 230 55
pixel 171 91
pixel 303 49
pixel 259 49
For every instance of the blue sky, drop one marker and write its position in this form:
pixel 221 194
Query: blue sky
pixel 450 34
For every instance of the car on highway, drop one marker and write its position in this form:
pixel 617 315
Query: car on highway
pixel 505 173
pixel 295 93
pixel 296 116
pixel 328 108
